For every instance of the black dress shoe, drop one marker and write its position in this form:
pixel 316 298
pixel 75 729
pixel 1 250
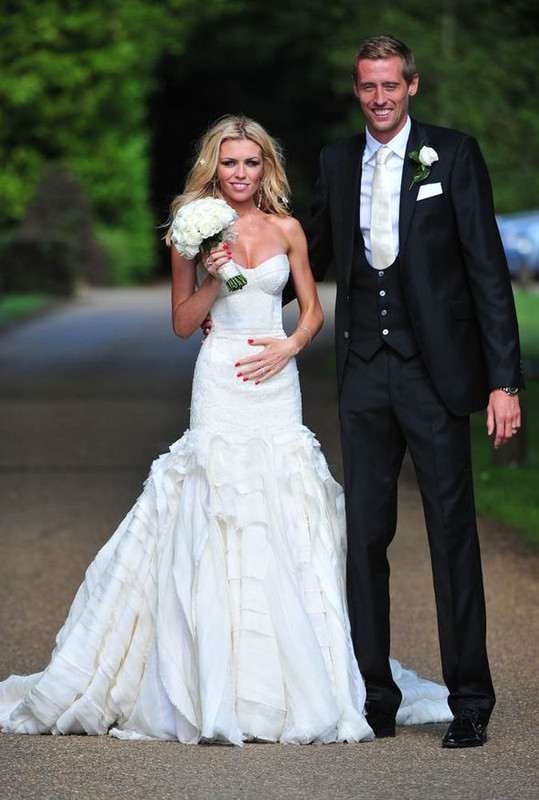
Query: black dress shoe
pixel 466 730
pixel 384 733
pixel 382 725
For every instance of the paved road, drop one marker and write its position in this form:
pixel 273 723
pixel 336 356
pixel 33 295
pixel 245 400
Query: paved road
pixel 88 396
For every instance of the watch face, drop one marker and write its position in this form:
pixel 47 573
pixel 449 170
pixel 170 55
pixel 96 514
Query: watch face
pixel 511 389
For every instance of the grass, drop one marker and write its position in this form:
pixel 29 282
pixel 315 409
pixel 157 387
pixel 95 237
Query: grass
pixel 511 494
pixel 528 319
pixel 15 306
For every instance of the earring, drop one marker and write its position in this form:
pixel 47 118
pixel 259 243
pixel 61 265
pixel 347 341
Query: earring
pixel 259 199
pixel 214 187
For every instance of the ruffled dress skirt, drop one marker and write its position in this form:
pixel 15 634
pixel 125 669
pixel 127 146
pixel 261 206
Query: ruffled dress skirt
pixel 216 612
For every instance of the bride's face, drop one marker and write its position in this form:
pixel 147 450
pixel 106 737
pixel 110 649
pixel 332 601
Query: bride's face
pixel 240 169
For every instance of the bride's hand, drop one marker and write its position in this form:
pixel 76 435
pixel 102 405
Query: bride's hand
pixel 217 258
pixel 262 366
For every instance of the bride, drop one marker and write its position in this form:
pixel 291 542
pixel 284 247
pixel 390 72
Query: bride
pixel 217 611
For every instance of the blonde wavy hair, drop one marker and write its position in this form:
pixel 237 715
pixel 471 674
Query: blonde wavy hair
pixel 202 179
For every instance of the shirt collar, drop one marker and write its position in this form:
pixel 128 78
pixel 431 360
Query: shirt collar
pixel 397 145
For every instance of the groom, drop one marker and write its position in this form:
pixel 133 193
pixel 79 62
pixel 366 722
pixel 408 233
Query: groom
pixel 426 333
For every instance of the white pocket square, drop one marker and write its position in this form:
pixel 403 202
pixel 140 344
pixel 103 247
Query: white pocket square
pixel 429 190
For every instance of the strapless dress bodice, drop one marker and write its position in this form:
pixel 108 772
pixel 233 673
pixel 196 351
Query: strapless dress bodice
pixel 257 307
pixel 220 400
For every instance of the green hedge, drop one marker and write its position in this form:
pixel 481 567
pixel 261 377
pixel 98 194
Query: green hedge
pixel 37 265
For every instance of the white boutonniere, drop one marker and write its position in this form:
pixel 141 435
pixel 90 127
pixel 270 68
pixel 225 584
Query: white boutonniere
pixel 424 157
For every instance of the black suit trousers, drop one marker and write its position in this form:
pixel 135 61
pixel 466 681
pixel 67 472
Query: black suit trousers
pixel 386 405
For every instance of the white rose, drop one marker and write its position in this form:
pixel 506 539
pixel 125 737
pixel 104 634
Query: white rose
pixel 202 219
pixel 183 248
pixel 220 221
pixel 188 233
pixel 205 226
pixel 191 238
pixel 191 252
pixel 427 156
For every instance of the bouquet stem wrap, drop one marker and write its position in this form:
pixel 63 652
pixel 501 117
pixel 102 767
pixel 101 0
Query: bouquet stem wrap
pixel 229 273
pixel 232 277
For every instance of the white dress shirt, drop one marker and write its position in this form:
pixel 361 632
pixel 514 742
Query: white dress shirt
pixel 395 164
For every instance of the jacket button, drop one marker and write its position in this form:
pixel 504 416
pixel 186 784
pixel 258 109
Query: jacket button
pixel 381 273
pixel 383 293
pixel 383 312
pixel 385 331
pixel 348 297
pixel 346 334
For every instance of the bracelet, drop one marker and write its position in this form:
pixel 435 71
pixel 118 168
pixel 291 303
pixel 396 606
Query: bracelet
pixel 307 331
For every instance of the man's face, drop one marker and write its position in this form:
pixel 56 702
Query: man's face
pixel 384 95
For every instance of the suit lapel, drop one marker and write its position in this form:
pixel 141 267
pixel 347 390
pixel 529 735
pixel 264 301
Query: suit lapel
pixel 409 190
pixel 350 183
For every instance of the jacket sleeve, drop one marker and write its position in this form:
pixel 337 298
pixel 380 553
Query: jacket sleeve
pixel 486 265
pixel 318 232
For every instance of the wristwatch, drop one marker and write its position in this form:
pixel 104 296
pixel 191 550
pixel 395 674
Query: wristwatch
pixel 510 390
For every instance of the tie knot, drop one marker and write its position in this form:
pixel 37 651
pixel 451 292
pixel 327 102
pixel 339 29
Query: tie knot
pixel 382 154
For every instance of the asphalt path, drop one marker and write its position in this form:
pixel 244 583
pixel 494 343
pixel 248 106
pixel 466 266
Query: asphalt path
pixel 89 395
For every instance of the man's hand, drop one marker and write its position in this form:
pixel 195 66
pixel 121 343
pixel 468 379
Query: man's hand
pixel 206 325
pixel 503 415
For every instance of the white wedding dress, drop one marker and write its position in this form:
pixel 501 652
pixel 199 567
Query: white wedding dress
pixel 217 611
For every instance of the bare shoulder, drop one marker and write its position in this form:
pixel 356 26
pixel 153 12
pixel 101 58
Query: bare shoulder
pixel 289 227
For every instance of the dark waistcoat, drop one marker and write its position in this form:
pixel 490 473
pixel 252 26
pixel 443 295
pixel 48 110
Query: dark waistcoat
pixel 379 315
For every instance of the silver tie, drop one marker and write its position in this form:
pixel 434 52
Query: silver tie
pixel 382 248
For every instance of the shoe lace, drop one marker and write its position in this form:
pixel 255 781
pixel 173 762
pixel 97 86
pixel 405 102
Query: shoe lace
pixel 468 714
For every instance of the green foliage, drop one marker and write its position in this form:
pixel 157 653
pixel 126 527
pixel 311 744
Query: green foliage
pixel 37 265
pixel 78 79
pixel 527 303
pixel 74 88
pixel 478 63
pixel 503 492
pixel 126 262
pixel 17 306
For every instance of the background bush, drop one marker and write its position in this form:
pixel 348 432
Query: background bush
pixel 117 90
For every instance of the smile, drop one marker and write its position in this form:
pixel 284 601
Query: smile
pixel 240 186
pixel 382 112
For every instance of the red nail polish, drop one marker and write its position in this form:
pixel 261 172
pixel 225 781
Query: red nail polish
pixel 239 374
pixel 256 383
pixel 250 341
pixel 246 379
pixel 237 364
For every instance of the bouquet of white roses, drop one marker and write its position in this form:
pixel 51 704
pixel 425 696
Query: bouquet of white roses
pixel 204 224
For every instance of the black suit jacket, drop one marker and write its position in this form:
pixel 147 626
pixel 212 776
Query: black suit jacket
pixel 452 265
